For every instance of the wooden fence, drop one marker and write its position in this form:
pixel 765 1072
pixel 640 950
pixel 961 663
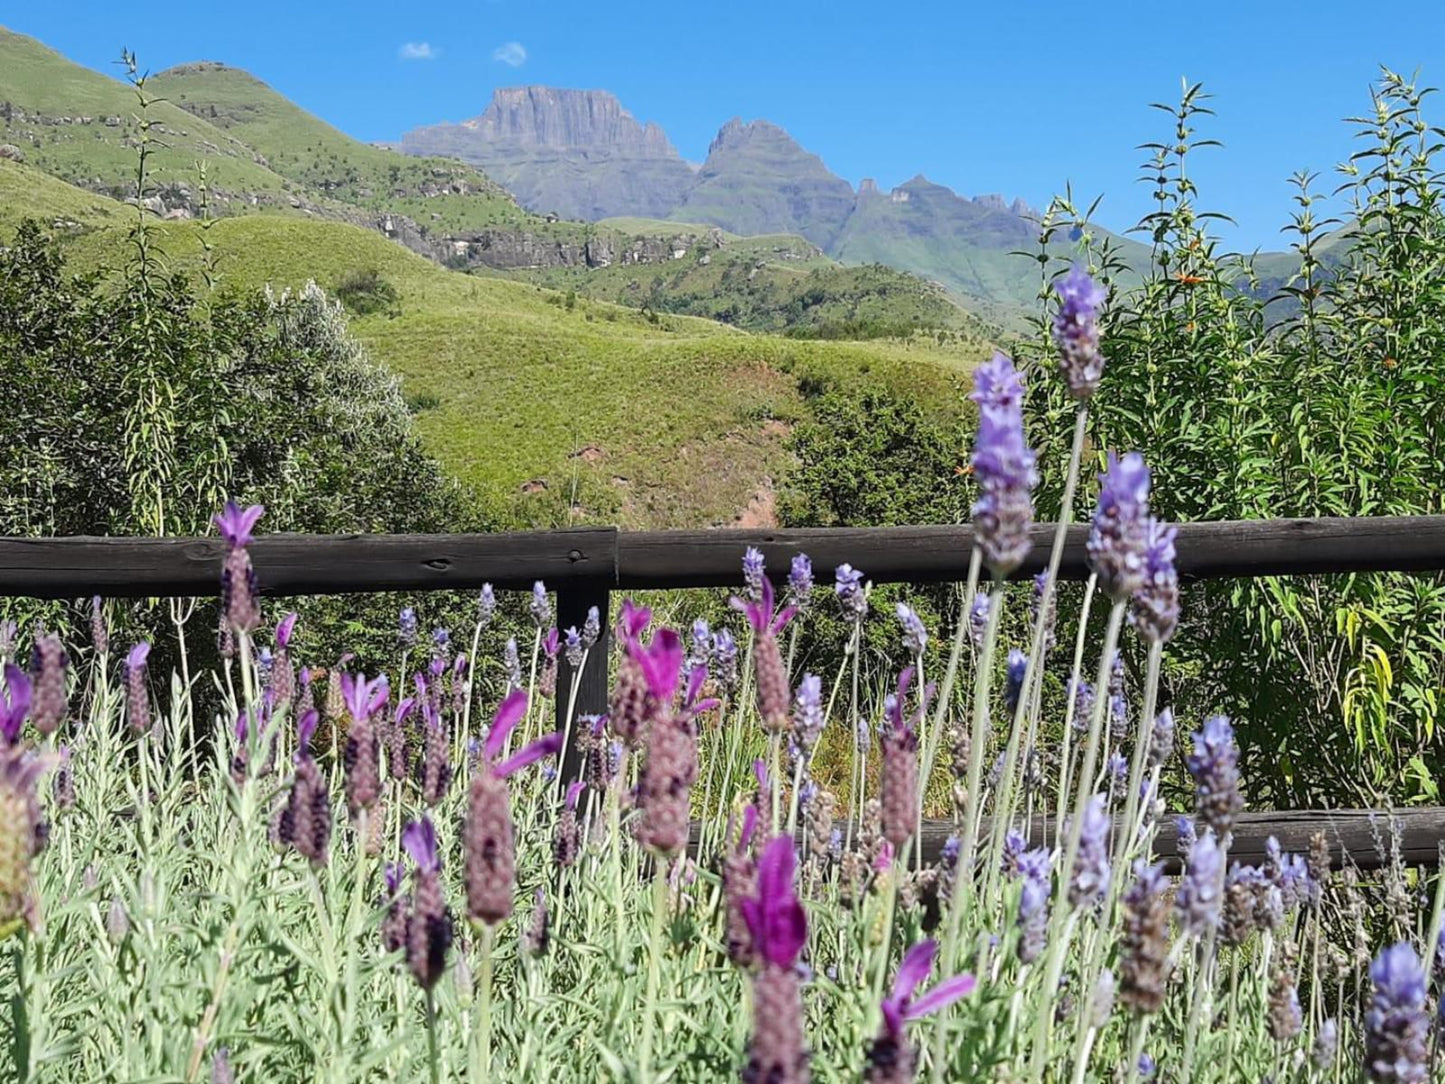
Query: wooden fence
pixel 584 566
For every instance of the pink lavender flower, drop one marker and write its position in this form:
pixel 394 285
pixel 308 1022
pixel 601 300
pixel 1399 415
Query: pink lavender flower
pixel 487 835
pixel 1003 465
pixel 772 675
pixel 1198 900
pixel 779 929
pixel 1214 764
pixel 137 696
pixel 890 1059
pixel 1119 536
pixel 852 595
pixel 1090 875
pixel 429 927
pixel 915 636
pixel 1156 600
pixel 800 582
pixel 540 606
pixel 239 592
pixel 997 385
pixel 1397 1025
pixel 1076 332
pixel 753 573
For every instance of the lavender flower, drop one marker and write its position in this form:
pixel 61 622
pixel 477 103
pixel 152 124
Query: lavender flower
pixel 852 595
pixel 808 711
pixel 671 765
pixel 540 606
pixel 1036 600
pixel 1214 766
pixel 1156 600
pixel 1076 332
pixel 779 929
pixel 486 605
pixel 1015 843
pixel 723 663
pixel 628 706
pixel 1198 899
pixel 429 927
pixel 1185 834
pixel 361 756
pixel 915 636
pixel 1144 944
pixel 14 707
pixel 772 676
pixel 1397 1025
pixel 22 838
pixel 283 672
pixel 978 618
pixel 800 582
pixel 99 633
pixel 547 683
pixel 1082 693
pixel 1146 1066
pixel 1119 536
pixel 49 705
pixel 398 907
pixel 890 1059
pixel 1003 464
pixel 739 883
pixel 306 819
pixel 1161 739
pixel 574 647
pixel 487 835
pixel 900 785
pixel 436 765
pixel 753 573
pixel 1090 875
pixel 591 628
pixel 1326 1045
pixel 239 590
pixel 1035 873
pixel 406 628
pixel 1018 667
pixel 137 696
pixel 512 664
pixel 567 839
pixel 997 385
pixel 701 650
pixel 64 782
pixel 538 935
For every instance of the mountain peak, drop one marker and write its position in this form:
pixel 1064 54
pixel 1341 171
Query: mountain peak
pixel 563 119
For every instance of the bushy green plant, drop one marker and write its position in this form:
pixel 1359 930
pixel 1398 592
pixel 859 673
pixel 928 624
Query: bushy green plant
pixel 364 292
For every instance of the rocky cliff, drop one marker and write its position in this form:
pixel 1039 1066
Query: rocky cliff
pixel 574 153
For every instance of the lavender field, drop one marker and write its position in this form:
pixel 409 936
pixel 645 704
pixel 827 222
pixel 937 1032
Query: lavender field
pixel 290 869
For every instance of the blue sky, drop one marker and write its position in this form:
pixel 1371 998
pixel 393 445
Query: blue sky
pixel 1012 98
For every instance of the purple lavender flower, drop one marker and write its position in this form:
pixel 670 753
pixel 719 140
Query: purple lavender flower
pixel 1185 833
pixel 238 578
pixel 779 929
pixel 1014 845
pixel 1083 696
pixel 429 928
pixel 800 581
pixel 540 606
pixel 1076 332
pixel 1161 739
pixel 915 636
pixel 1090 875
pixel 1397 1025
pixel 441 649
pixel 1144 941
pixel 1003 465
pixel 574 648
pixel 997 385
pixel 890 1059
pixel 1035 873
pixel 723 663
pixel 486 605
pixel 1018 667
pixel 1119 536
pixel 15 705
pixel 700 650
pixel 592 627
pixel 1146 1066
pixel 1117 767
pixel 49 703
pixel 99 633
pixel 978 618
pixel 770 670
pixel 1326 1045
pixel 808 711
pixel 1214 764
pixel 753 573
pixel 1036 600
pixel 852 596
pixel 1200 889
pixel 1156 600
pixel 406 628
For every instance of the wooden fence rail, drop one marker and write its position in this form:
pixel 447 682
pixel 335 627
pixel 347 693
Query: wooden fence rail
pixel 585 565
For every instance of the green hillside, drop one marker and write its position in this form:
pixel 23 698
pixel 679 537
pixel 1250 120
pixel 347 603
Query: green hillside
pixel 555 414
pixel 27 192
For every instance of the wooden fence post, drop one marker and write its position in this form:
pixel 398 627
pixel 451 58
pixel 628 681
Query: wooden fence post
pixel 573 603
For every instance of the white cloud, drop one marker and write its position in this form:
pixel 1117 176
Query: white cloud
pixel 511 54
pixel 419 50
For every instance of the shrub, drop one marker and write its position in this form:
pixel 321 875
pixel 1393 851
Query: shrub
pixel 366 292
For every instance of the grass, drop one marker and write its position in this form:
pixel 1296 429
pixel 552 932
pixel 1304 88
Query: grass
pixel 28 192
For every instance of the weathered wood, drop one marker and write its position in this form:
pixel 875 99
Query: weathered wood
pixel 338 564
pixel 941 554
pixel 572 606
pixel 306 564
pixel 1362 834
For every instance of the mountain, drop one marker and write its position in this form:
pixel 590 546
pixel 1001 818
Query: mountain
pixel 574 153
pixel 758 180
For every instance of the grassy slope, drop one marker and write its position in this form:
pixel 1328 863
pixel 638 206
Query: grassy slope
pixel 27 192
pixel 309 151
pixel 94 155
pixel 687 419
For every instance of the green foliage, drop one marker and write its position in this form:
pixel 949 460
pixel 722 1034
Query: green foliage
pixel 366 292
pixel 1323 403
